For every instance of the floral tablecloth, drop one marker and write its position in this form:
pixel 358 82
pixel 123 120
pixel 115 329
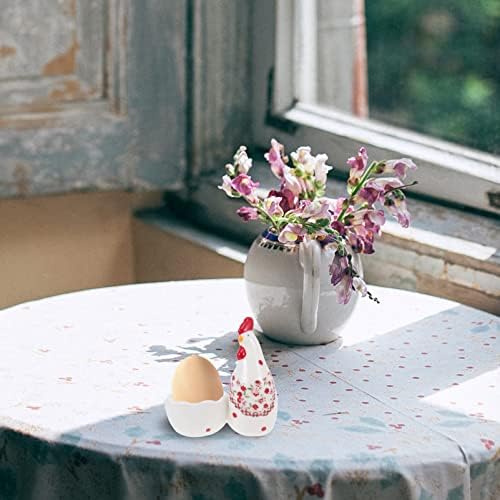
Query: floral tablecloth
pixel 409 407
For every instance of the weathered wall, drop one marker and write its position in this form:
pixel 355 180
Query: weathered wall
pixel 87 93
pixel 58 244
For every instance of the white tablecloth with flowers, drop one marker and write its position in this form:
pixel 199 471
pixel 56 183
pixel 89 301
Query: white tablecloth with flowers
pixel 409 407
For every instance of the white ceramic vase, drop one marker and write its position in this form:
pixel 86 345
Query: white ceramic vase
pixel 290 294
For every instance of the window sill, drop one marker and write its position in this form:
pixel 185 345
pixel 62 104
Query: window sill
pixel 446 252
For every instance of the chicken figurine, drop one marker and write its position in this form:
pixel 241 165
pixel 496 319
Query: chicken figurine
pixel 253 402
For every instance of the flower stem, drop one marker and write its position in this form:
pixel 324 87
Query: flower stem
pixel 414 183
pixel 355 191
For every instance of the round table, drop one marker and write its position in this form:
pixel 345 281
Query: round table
pixel 409 407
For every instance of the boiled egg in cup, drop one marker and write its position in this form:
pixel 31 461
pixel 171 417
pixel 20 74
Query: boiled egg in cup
pixel 197 405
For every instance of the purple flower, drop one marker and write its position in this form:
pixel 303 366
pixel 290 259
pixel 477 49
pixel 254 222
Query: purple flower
pixel 368 194
pixel 338 269
pixel 358 164
pixel 369 218
pixel 317 209
pixel 339 227
pixel 272 206
pixel 344 290
pixel 288 199
pixel 244 185
pixel 396 167
pixel 248 213
pixel 361 241
pixel 291 233
pixel 275 158
pixel 361 228
pixel 344 279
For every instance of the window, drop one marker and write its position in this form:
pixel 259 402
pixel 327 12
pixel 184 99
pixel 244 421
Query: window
pixel 418 79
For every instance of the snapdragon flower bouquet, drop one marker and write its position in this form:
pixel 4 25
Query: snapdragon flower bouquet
pixel 299 210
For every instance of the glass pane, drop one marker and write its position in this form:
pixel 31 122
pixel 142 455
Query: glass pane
pixel 433 66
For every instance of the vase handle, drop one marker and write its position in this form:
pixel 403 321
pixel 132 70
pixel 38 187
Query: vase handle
pixel 310 261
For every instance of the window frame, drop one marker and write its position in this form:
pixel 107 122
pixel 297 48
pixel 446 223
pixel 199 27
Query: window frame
pixel 447 171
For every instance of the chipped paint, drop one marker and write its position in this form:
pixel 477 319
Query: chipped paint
pixel 7 51
pixel 54 139
pixel 67 90
pixel 63 64
pixel 19 122
pixel 70 8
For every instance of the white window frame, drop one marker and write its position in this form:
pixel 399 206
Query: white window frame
pixel 446 171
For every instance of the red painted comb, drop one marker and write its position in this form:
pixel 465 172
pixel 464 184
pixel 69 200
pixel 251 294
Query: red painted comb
pixel 246 325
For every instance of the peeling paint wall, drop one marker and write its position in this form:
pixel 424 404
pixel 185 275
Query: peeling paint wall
pixel 92 96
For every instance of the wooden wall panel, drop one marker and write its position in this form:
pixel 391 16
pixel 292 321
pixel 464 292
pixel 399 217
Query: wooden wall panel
pixel 101 104
pixel 221 91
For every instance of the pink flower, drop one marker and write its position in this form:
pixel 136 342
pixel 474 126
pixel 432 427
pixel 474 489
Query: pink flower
pixel 227 187
pixel 291 233
pixel 368 194
pixel 358 164
pixel 312 165
pixel 361 228
pixel 248 213
pixel 242 162
pixel 244 185
pixel 360 286
pixel 321 169
pixel 396 167
pixel 375 188
pixel 275 158
pixel 304 158
pixel 291 182
pixel 383 184
pixel 337 205
pixel 395 203
pixel 317 209
pixel 370 218
pixel 489 444
pixel 272 206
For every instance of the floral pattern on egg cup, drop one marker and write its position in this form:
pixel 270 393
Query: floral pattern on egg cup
pixel 253 400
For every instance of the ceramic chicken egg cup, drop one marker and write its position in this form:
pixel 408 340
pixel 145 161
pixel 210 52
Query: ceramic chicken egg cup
pixel 197 419
pixel 253 402
pixel 251 407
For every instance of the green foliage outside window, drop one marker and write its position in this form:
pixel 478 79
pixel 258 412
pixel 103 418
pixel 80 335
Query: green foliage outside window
pixel 434 67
